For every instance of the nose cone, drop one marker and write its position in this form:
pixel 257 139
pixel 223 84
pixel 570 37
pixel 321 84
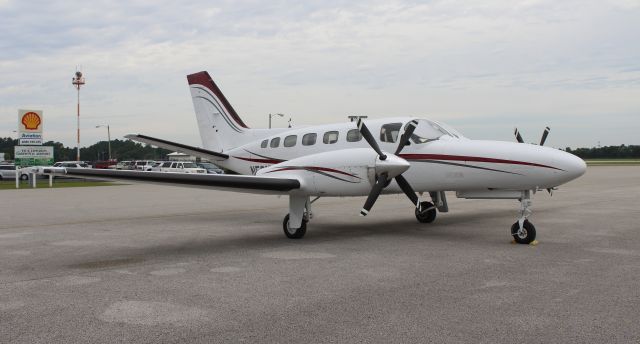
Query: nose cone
pixel 392 165
pixel 573 165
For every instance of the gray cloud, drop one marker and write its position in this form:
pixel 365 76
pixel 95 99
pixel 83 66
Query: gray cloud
pixel 502 61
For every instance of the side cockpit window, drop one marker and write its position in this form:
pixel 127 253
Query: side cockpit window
pixel 264 144
pixel 275 142
pixel 354 135
pixel 389 132
pixel 427 131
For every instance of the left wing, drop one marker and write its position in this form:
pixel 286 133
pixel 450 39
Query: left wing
pixel 179 147
pixel 250 184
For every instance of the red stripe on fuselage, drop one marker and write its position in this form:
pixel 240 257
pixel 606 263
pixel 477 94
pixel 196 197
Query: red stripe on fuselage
pixel 471 158
pixel 262 161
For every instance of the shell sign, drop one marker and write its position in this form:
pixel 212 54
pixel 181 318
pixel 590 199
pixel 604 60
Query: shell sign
pixel 30 127
pixel 30 121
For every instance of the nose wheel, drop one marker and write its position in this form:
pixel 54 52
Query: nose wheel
pixel 523 231
pixel 525 234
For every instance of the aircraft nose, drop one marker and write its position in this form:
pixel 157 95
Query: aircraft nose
pixel 574 166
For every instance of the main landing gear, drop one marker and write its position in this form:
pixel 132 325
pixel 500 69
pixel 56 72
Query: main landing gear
pixel 426 213
pixel 295 223
pixel 523 231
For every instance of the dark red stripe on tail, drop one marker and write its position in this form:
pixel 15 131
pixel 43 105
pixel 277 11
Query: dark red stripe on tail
pixel 203 78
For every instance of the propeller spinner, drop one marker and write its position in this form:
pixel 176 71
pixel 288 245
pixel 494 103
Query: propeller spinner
pixel 389 166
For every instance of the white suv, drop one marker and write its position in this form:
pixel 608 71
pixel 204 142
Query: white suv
pixel 181 167
pixel 142 165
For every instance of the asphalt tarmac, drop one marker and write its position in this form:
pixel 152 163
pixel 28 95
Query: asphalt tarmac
pixel 152 264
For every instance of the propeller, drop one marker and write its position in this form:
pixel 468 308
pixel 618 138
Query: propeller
pixel 542 140
pixel 388 167
pixel 518 137
pixel 544 135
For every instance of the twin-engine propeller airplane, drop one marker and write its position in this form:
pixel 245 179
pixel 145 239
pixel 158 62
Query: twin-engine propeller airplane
pixel 390 155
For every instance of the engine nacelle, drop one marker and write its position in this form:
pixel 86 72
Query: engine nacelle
pixel 347 172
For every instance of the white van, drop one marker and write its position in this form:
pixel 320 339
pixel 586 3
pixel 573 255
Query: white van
pixel 181 167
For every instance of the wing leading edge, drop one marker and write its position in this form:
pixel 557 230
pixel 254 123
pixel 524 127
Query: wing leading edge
pixel 178 147
pixel 250 184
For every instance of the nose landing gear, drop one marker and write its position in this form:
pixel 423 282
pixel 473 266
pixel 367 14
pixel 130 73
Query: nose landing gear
pixel 523 231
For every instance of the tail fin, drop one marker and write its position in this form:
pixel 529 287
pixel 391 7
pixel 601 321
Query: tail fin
pixel 220 126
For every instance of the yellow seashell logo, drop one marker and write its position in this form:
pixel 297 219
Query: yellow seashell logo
pixel 31 120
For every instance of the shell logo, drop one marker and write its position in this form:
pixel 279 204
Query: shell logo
pixel 31 121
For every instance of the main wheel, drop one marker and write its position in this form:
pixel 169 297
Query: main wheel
pixel 294 233
pixel 427 213
pixel 526 235
pixel 24 177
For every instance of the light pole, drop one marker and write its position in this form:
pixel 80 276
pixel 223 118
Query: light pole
pixel 275 114
pixel 78 81
pixel 108 136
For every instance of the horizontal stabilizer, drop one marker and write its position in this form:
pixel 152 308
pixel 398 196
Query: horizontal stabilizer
pixel 179 147
pixel 251 184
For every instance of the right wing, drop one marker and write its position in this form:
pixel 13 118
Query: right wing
pixel 179 147
pixel 249 184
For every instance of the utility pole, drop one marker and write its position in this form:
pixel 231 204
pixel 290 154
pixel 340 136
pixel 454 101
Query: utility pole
pixel 78 81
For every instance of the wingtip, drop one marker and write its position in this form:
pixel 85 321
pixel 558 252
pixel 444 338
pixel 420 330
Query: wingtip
pixel 364 212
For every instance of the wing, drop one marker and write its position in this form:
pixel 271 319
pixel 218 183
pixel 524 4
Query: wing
pixel 249 184
pixel 179 147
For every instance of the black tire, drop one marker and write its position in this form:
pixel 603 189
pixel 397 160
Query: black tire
pixel 528 234
pixel 293 233
pixel 427 213
pixel 24 177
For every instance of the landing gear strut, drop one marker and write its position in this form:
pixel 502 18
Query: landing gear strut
pixel 523 231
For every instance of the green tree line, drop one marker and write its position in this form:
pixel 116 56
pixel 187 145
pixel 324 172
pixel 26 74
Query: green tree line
pixel 120 149
pixel 607 152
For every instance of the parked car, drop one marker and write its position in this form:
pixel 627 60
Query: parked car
pixel 75 164
pixel 123 165
pixel 210 168
pixel 8 171
pixel 181 167
pixel 142 165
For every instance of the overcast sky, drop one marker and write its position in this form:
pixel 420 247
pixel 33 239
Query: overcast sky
pixel 483 67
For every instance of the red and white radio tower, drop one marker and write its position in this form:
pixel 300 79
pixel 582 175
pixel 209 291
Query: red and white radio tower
pixel 78 81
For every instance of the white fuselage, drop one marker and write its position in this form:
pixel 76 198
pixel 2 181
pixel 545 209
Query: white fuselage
pixel 448 163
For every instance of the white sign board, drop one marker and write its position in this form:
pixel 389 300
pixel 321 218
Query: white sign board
pixel 1 156
pixel 30 127
pixel 33 156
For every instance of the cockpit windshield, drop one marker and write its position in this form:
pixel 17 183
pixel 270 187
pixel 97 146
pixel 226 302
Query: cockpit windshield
pixel 427 131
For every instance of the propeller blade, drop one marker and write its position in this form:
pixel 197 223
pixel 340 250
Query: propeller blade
pixel 373 195
pixel 544 135
pixel 518 137
pixel 408 190
pixel 370 139
pixel 404 139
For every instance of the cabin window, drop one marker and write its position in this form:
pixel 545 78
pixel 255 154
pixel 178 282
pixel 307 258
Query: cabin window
pixel 389 132
pixel 290 140
pixel 330 137
pixel 275 142
pixel 264 144
pixel 309 139
pixel 354 135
